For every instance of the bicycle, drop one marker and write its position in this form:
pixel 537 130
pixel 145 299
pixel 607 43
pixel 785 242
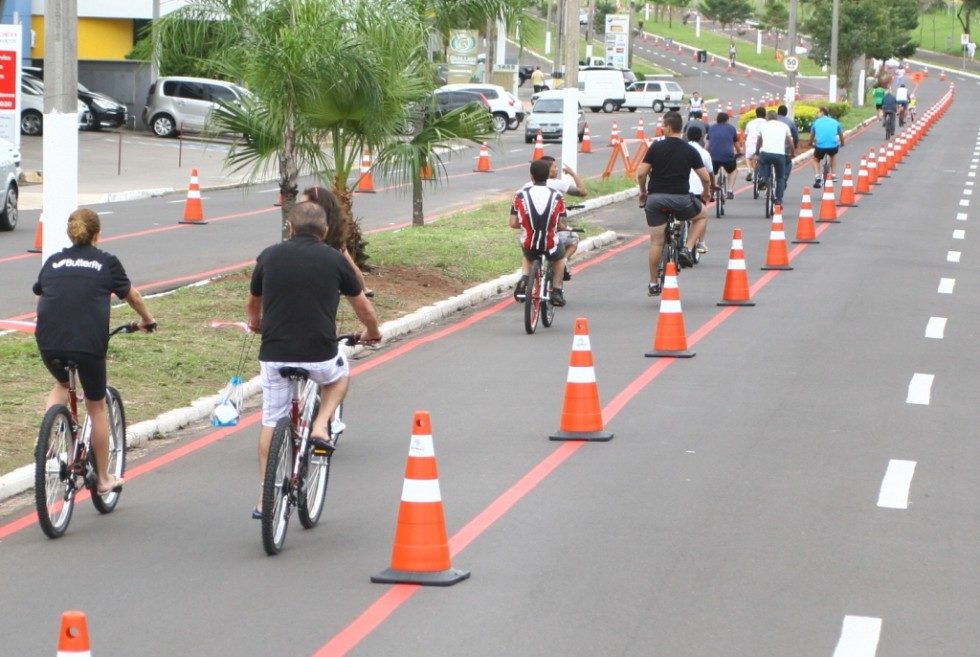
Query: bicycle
pixel 770 189
pixel 755 181
pixel 889 123
pixel 64 462
pixel 296 472
pixel 675 237
pixel 537 295
pixel 721 192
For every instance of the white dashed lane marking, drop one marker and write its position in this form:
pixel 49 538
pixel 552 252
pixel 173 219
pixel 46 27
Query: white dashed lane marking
pixel 894 493
pixel 965 202
pixel 946 285
pixel 920 389
pixel 959 234
pixel 960 216
pixel 858 637
pixel 952 256
pixel 936 328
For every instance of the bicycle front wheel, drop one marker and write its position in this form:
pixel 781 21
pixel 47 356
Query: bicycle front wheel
pixel 54 499
pixel 547 308
pixel 117 449
pixel 275 488
pixel 720 197
pixel 532 297
pixel 311 498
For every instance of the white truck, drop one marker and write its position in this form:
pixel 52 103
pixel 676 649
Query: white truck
pixel 601 88
pixel 655 94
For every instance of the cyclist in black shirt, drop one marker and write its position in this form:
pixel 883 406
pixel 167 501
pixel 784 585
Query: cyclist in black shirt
pixel 292 302
pixel 664 177
pixel 74 287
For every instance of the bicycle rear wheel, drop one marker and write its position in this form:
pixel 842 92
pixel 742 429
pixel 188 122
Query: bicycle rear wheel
pixel 311 498
pixel 117 449
pixel 532 298
pixel 720 194
pixel 755 184
pixel 275 488
pixel 54 499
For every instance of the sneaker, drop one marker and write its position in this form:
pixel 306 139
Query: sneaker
pixel 568 274
pixel 322 446
pixel 730 195
pixel 557 298
pixel 684 257
pixel 702 247
pixel 748 177
pixel 520 289
pixel 817 181
pixel 653 290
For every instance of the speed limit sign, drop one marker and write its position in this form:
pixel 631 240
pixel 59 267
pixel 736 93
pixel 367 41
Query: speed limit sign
pixel 791 63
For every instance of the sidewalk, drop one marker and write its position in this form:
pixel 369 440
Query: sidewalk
pixel 120 165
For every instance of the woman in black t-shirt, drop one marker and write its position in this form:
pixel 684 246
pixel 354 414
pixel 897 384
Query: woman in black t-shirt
pixel 74 288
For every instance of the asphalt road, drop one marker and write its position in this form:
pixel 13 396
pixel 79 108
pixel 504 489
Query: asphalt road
pixel 746 506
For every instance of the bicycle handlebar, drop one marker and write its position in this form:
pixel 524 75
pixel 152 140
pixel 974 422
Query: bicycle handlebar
pixel 578 206
pixel 133 327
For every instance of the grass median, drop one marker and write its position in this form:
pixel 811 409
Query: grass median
pixel 188 359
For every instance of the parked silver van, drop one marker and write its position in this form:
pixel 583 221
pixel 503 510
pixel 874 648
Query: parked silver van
pixel 184 104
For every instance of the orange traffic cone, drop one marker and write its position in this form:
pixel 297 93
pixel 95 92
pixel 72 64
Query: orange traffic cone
pixel 660 127
pixel 872 168
pixel 777 257
pixel 640 132
pixel 847 199
pixel 828 205
pixel 427 172
pixel 737 279
pixel 942 76
pixel 581 415
pixel 365 184
pixel 614 135
pixel 586 140
pixel 890 159
pixel 193 208
pixel 38 236
pixel 806 232
pixel 538 147
pixel 864 180
pixel 73 639
pixel 483 163
pixel 882 163
pixel 671 339
pixel 421 548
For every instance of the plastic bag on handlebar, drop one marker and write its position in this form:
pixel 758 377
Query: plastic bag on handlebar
pixel 228 410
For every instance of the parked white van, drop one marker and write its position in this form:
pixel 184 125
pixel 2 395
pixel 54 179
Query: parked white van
pixel 601 88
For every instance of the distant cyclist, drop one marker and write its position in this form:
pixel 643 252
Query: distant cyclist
pixel 696 122
pixel 878 94
pixel 782 114
pixel 723 147
pixel 575 187
pixel 774 138
pixel 700 228
pixel 695 104
pixel 536 212
pixel 752 129
pixel 902 99
pixel 826 138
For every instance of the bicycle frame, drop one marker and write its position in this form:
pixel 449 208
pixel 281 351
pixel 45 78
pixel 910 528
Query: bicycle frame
pixel 81 437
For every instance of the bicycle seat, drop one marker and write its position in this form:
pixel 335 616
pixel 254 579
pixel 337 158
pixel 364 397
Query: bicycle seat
pixel 66 364
pixel 294 373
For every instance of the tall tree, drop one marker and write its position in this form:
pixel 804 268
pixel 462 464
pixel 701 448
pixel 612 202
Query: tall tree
pixel 775 16
pixel 727 12
pixel 965 12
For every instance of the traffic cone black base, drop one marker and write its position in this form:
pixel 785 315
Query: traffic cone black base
pixel 441 578
pixel 597 436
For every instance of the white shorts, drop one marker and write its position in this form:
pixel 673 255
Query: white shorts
pixel 277 394
pixel 567 237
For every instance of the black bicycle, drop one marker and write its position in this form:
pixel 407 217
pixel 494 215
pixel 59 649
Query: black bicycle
pixel 297 472
pixel 721 192
pixel 769 183
pixel 889 122
pixel 64 462
pixel 675 237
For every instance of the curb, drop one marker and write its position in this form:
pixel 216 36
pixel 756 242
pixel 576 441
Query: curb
pixel 168 422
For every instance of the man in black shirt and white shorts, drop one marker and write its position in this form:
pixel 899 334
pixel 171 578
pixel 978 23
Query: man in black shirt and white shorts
pixel 663 177
pixel 293 299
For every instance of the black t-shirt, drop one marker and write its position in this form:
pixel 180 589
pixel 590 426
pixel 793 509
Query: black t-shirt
pixel 671 161
pixel 74 286
pixel 300 282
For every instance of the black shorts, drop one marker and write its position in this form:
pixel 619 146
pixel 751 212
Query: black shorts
pixel 683 206
pixel 729 166
pixel 554 256
pixel 877 106
pixel 818 152
pixel 91 371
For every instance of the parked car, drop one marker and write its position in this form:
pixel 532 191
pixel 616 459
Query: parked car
pixel 9 171
pixel 507 111
pixel 104 111
pixel 656 94
pixel 546 118
pixel 185 104
pixel 32 107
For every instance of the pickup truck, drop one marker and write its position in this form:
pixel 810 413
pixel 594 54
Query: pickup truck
pixel 655 94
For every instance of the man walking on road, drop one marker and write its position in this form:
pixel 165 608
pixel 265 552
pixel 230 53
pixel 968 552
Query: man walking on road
pixel 537 80
pixel 663 178
pixel 293 297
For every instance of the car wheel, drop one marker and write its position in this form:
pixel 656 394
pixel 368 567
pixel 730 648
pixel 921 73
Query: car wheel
pixel 608 106
pixel 31 123
pixel 595 109
pixel 8 216
pixel 513 124
pixel 499 123
pixel 91 122
pixel 163 125
pixel 658 106
pixel 632 109
pixel 527 139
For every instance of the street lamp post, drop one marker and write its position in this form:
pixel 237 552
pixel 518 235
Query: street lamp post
pixel 834 33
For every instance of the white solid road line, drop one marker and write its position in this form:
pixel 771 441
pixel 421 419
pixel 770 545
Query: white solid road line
pixel 936 328
pixel 946 285
pixel 894 493
pixel 952 256
pixel 959 234
pixel 920 389
pixel 858 637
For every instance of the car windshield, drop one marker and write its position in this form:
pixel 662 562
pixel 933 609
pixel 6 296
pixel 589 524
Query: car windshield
pixel 549 106
pixel 81 87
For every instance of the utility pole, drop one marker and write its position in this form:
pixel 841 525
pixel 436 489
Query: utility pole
pixel 155 59
pixel 834 33
pixel 60 141
pixel 791 75
pixel 569 133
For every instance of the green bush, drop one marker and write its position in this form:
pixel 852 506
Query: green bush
pixel 836 110
pixel 804 116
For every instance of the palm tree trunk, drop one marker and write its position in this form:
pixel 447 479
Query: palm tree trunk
pixel 288 174
pixel 418 219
